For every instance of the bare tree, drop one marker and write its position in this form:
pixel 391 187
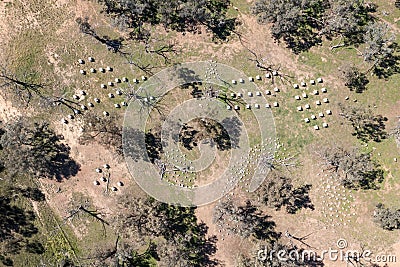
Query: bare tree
pixel 25 85
pixel 79 206
pixel 103 129
pixel 265 66
pixel 164 51
pixel 114 45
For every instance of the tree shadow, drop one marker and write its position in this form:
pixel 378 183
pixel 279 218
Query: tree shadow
pixel 224 135
pixel 373 129
pixel 114 45
pixel 301 40
pixel 141 146
pixel 233 129
pixel 370 179
pixel 188 78
pixel 300 199
pixel 278 191
pixel 390 65
pixel 34 194
pixel 153 145
pixel 354 79
pixel 17 226
pixel 36 149
pixel 133 144
pixel 264 227
pixel 367 126
pixel 222 29
pixel 187 137
pixel 62 165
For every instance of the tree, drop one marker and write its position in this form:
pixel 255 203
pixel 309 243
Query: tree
pixel 357 170
pixel 278 191
pixel 347 19
pixel 381 50
pixel 367 126
pixel 36 150
pixel 183 16
pixel 354 79
pixel 17 224
pixel 296 22
pixel 388 219
pixel 245 221
pixel 181 240
pixel 378 39
pixel 302 23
